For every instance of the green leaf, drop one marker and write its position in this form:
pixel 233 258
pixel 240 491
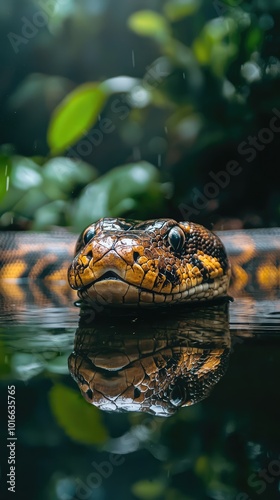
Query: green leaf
pixel 63 175
pixel 216 45
pixel 49 215
pixel 221 56
pixel 178 9
pixel 148 490
pixel 5 369
pixel 132 187
pixel 5 172
pixel 25 176
pixel 81 421
pixel 254 39
pixel 202 468
pixel 202 50
pixel 74 116
pixel 149 23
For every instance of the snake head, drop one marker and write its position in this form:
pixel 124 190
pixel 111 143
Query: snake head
pixel 122 262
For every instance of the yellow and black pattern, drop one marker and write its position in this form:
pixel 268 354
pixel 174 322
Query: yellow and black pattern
pixel 255 262
pixel 35 256
pixel 155 262
pixel 33 269
pixel 35 265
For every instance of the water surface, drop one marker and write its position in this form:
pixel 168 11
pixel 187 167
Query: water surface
pixel 222 364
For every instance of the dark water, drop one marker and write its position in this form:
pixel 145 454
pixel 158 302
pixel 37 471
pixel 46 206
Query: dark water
pixel 200 390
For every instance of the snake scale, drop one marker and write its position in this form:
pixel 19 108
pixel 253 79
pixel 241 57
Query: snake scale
pixel 155 365
pixel 127 262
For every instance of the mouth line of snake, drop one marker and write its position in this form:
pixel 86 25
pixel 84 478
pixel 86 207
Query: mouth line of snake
pixel 112 276
pixel 109 275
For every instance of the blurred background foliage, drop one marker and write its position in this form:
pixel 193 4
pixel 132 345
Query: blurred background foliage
pixel 164 92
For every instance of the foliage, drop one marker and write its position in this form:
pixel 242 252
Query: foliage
pixel 81 142
pixel 148 489
pixel 149 23
pixel 83 424
pixel 75 115
pixel 42 192
pixel 132 188
pixel 63 192
pixel 215 62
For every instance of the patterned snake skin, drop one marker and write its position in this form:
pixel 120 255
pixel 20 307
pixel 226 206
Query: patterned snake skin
pixel 41 260
pixel 157 364
pixel 121 262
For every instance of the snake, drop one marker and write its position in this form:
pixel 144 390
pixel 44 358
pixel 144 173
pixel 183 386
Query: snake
pixel 151 363
pixel 159 262
pixel 122 262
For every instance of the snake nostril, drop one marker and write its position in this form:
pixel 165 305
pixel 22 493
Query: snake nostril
pixel 137 392
pixel 89 393
pixel 89 254
pixel 136 256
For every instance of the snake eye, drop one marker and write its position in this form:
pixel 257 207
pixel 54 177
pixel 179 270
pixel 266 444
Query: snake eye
pixel 89 235
pixel 176 238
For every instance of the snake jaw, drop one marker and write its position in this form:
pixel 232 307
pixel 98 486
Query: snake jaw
pixel 150 264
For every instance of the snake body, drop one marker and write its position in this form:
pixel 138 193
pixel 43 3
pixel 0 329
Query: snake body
pixel 128 260
pixel 133 363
